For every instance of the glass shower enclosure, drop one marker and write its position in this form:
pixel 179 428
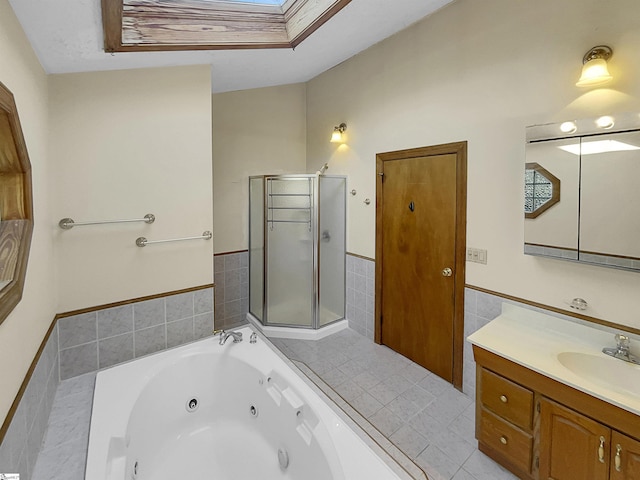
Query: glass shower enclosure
pixel 297 226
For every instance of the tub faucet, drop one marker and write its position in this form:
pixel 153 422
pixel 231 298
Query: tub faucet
pixel 621 351
pixel 224 336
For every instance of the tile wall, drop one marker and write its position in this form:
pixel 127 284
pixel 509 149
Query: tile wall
pixel 95 340
pixel 479 309
pixel 21 444
pixel 91 341
pixel 361 274
pixel 231 271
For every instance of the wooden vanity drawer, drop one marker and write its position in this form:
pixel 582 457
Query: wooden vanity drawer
pixel 505 439
pixel 507 399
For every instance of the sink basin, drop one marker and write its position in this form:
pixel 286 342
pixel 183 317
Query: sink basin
pixel 604 371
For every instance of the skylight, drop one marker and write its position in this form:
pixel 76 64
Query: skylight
pixel 162 25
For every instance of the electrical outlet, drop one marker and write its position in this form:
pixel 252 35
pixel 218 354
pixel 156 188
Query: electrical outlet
pixel 477 255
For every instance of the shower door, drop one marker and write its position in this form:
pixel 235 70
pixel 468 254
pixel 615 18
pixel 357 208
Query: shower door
pixel 332 192
pixel 290 239
pixel 256 247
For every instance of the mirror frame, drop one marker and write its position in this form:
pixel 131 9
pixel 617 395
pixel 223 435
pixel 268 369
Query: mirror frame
pixel 16 204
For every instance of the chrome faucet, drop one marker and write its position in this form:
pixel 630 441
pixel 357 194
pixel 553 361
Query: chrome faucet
pixel 224 336
pixel 621 351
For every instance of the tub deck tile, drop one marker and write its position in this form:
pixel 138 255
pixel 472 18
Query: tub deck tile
pixel 64 449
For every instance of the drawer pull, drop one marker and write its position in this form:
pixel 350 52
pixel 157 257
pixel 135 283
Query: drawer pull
pixel 601 450
pixel 503 440
pixel 504 399
pixel 618 460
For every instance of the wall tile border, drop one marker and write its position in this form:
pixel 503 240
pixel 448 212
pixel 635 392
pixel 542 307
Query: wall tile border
pixel 111 329
pixel 123 331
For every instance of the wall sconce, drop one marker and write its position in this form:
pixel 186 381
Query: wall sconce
pixel 337 135
pixel 594 69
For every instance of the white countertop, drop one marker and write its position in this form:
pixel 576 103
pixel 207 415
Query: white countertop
pixel 534 340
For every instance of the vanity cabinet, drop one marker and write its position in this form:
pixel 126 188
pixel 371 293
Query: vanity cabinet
pixel 572 446
pixel 504 413
pixel 541 429
pixel 625 452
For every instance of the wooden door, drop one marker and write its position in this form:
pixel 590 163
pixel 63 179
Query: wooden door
pixel 625 458
pixel 572 446
pixel 420 244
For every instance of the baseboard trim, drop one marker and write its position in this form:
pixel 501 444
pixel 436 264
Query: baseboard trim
pixel 80 311
pixel 230 253
pixel 361 256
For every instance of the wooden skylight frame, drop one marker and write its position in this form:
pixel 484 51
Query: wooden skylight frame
pixel 170 25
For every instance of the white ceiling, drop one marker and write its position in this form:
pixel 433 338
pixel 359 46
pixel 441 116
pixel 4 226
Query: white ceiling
pixel 67 37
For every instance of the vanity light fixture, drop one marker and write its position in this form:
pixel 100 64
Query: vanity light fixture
pixel 605 122
pixel 338 133
pixel 568 127
pixel 594 69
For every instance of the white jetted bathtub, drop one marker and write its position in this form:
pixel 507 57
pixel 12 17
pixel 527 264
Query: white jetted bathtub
pixel 220 412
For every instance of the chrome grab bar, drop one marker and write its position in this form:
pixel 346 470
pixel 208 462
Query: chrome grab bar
pixel 143 242
pixel 69 223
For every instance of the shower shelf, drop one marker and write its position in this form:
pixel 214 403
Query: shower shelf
pixel 271 209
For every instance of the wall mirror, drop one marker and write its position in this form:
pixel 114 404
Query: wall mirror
pixel 582 199
pixel 16 206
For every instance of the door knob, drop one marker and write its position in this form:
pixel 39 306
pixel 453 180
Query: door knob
pixel 447 272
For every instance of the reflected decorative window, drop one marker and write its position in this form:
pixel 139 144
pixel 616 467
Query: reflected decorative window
pixel 541 190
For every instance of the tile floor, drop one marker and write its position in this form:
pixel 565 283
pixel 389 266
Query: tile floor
pixel 425 417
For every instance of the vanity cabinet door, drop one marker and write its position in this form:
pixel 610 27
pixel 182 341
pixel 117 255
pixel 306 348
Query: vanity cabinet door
pixel 572 446
pixel 625 458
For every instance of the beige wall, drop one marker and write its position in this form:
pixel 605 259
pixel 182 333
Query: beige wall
pixel 256 132
pixel 124 144
pixel 481 72
pixel 23 330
